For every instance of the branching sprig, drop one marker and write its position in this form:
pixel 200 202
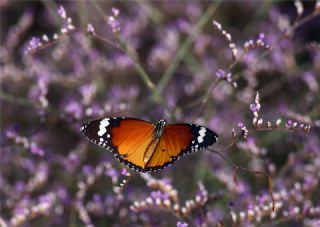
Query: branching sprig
pixel 239 168
pixel 263 125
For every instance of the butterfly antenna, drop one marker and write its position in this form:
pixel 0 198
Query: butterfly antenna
pixel 238 168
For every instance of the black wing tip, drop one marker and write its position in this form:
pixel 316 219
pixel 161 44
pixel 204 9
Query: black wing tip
pixel 214 137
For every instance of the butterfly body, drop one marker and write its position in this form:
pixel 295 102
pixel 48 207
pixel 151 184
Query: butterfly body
pixel 145 146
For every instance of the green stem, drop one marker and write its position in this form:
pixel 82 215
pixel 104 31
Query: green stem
pixel 14 99
pixel 52 8
pixel 185 46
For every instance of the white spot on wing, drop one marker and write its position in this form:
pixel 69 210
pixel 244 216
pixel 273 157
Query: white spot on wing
pixel 102 127
pixel 202 134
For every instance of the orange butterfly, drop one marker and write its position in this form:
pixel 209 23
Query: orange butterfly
pixel 144 146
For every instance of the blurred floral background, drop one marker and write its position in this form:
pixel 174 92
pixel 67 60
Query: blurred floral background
pixel 249 70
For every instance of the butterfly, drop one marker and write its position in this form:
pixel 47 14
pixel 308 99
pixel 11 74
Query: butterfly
pixel 144 146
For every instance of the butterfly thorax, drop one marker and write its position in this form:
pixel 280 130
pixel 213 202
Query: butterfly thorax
pixel 159 127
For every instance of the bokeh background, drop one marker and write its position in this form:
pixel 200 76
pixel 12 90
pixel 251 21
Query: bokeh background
pixel 154 59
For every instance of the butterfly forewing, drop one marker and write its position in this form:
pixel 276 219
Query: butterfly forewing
pixel 127 138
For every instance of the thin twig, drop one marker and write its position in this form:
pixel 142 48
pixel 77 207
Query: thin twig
pixel 257 172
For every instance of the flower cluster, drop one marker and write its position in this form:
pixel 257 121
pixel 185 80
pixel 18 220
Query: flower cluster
pixel 227 37
pixel 26 143
pixel 260 124
pixel 258 43
pixel 222 75
pixel 36 43
pixel 113 21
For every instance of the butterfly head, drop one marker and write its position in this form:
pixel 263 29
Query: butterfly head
pixel 159 127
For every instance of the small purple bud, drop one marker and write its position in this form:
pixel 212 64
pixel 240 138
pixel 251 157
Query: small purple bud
pixel 220 74
pixel 35 42
pixel 115 11
pixel 112 173
pixel 87 169
pixel 90 29
pixel 261 36
pixel 241 125
pixel 35 149
pixel 124 171
pixel 114 24
pixel 62 12
pixel 97 198
pixel 253 107
pixel 182 224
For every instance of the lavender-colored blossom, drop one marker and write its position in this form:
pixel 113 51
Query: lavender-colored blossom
pixel 35 149
pixel 241 125
pixel 124 171
pixel 182 224
pixel 90 29
pixel 112 173
pixel 114 24
pixel 62 12
pixel 35 42
pixel 115 11
pixel 74 108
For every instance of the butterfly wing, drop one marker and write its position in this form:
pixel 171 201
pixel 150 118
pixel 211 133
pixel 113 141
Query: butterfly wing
pixel 178 140
pixel 126 138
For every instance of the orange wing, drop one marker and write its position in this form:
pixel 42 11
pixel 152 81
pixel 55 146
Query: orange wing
pixel 126 138
pixel 131 138
pixel 173 142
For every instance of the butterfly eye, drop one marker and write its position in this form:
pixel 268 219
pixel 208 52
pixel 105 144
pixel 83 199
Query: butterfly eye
pixel 143 146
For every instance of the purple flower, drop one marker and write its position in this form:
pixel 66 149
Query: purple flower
pixel 74 108
pixel 115 11
pixel 35 149
pixel 124 171
pixel 90 29
pixel 97 198
pixel 35 42
pixel 87 169
pixel 241 125
pixel 113 20
pixel 261 36
pixel 62 12
pixel 114 24
pixel 220 74
pixel 159 195
pixel 254 107
pixel 182 224
pixel 290 122
pixel 20 186
pixel 112 173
